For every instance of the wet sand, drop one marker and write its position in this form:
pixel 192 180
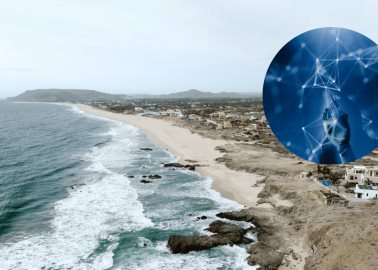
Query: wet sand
pixel 234 185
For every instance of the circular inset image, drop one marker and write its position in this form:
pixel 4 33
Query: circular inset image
pixel 321 95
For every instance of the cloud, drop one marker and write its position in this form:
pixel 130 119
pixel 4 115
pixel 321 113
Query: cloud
pixel 158 46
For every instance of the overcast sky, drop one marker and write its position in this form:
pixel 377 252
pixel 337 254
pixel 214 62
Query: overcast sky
pixel 158 46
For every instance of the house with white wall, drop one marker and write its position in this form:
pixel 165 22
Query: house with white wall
pixel 366 191
pixel 372 175
pixel 355 175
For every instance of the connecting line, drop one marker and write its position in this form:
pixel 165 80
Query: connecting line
pixel 366 122
pixel 330 71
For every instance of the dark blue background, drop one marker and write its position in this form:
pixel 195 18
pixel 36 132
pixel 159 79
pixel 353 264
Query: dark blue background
pixel 288 106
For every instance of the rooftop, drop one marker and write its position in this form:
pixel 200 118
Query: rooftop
pixel 373 186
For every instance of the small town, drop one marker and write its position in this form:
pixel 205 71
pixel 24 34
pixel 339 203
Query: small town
pixel 243 120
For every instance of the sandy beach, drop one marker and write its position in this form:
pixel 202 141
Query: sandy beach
pixel 296 229
pixel 234 185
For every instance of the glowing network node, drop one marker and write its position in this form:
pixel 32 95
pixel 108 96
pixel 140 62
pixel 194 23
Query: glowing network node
pixel 325 123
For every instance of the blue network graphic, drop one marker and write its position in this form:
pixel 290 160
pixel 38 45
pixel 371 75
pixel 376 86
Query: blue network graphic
pixel 321 98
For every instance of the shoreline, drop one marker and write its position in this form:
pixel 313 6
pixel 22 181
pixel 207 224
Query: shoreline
pixel 234 185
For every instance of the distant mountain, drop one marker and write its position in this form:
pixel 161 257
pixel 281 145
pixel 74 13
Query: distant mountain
pixel 80 95
pixel 196 94
pixel 66 95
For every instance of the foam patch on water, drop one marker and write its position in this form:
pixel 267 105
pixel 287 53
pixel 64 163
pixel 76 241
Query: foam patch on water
pixel 89 215
pixel 76 109
pixel 203 189
pixel 93 214
pixel 118 152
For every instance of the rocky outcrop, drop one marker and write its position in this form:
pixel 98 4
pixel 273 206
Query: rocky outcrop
pixel 266 257
pixel 221 227
pixel 146 149
pixel 145 181
pixel 225 234
pixel 179 165
pixel 154 176
pixel 267 252
pixel 243 215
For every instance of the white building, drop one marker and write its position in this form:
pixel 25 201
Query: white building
pixel 366 191
pixel 361 175
pixel 150 113
pixel 355 175
pixel 372 175
pixel 138 110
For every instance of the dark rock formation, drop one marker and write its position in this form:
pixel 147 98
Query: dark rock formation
pixel 265 253
pixel 154 176
pixel 243 215
pixel 201 217
pixel 190 167
pixel 130 176
pixel 145 181
pixel 173 164
pixel 191 160
pixel 266 257
pixel 146 149
pixel 226 234
pixel 222 227
pixel 179 165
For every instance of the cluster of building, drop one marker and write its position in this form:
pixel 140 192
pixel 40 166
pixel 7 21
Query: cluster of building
pixel 238 119
pixel 365 180
pixel 246 122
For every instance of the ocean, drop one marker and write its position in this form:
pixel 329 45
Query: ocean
pixel 71 196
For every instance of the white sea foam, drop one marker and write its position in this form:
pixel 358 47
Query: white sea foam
pixel 76 109
pixel 93 213
pixel 203 189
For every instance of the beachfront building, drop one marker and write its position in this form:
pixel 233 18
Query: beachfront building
pixel 366 191
pixel 355 175
pixel 150 113
pixel 361 175
pixel 138 110
pixel 372 175
pixel 172 113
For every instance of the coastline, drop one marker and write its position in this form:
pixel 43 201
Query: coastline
pixel 235 185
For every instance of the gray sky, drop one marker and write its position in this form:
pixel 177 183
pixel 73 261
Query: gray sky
pixel 158 46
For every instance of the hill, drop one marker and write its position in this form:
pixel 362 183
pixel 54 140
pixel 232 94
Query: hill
pixel 65 95
pixel 196 94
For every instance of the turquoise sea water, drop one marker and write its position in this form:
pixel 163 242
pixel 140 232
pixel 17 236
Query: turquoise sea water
pixel 66 201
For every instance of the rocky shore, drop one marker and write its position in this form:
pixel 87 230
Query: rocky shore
pixel 191 167
pixel 294 224
pixel 224 234
pixel 295 228
pixel 293 221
